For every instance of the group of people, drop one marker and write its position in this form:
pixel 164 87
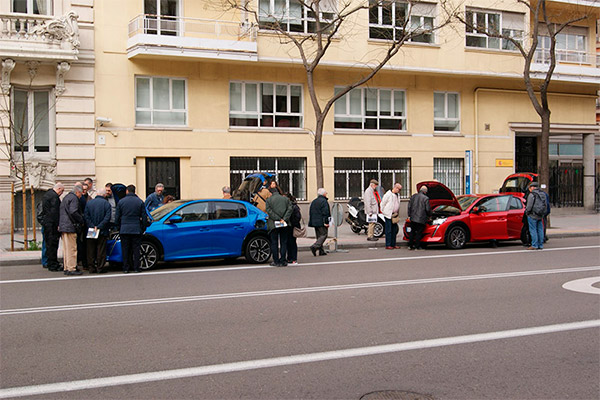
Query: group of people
pixel 83 220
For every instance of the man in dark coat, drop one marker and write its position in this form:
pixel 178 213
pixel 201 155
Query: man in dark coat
pixel 81 241
pixel 279 209
pixel 131 220
pixel 50 220
pixel 419 210
pixel 319 219
pixel 97 217
pixel 70 223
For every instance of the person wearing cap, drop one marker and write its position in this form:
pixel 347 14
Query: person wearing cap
pixel 419 210
pixel 372 199
pixel 535 215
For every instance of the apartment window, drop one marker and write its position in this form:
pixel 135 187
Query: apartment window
pixel 161 17
pixel 160 101
pixel 39 7
pixel 290 172
pixel 352 175
pixel 446 112
pixel 480 23
pixel 293 16
pixel 450 171
pixel 570 46
pixel 387 20
pixel 32 121
pixel 376 109
pixel 265 105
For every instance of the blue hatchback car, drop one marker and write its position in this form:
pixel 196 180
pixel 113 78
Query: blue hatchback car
pixel 201 229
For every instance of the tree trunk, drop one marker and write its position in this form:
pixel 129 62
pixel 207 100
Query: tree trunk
pixel 319 153
pixel 544 172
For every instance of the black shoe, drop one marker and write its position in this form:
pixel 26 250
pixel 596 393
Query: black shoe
pixel 137 271
pixel 53 269
pixel 76 272
pixel 44 266
pixel 126 272
pixel 372 239
pixel 314 251
pixel 274 264
pixel 102 271
pixel 283 264
pixel 322 253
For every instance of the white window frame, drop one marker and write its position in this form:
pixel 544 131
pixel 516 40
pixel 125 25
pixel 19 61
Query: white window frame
pixel 346 99
pixel 449 174
pixel 31 152
pixel 163 22
pixel 474 13
pixel 299 193
pixel 259 114
pixel 578 55
pixel 446 118
pixel 401 176
pixel 49 4
pixel 151 100
pixel 265 17
pixel 396 27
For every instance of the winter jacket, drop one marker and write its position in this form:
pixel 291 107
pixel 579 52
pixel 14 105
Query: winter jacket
pixel 70 216
pixel 131 215
pixel 419 208
pixel 390 204
pixel 370 200
pixel 296 216
pixel 278 208
pixel 97 214
pixel 531 201
pixel 154 201
pixel 319 212
pixel 51 209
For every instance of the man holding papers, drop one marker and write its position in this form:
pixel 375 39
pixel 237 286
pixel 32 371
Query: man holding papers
pixel 97 218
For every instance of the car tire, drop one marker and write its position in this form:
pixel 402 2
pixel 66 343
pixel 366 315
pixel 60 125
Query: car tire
pixel 379 230
pixel 258 250
pixel 525 236
pixel 148 255
pixel 456 237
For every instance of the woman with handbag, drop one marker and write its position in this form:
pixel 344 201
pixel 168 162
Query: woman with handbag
pixel 390 208
pixel 295 230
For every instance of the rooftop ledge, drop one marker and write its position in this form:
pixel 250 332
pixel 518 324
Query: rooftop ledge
pixel 151 35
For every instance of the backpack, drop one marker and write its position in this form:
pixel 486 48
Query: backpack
pixel 539 207
pixel 39 213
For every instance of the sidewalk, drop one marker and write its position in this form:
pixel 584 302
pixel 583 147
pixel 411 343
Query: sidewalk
pixel 565 222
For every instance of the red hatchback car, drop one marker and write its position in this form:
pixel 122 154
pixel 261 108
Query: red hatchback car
pixel 456 221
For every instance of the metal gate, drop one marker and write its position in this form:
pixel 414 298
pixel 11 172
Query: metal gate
pixel 566 186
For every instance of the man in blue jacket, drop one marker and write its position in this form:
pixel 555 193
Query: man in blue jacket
pixel 131 220
pixel 156 199
pixel 97 217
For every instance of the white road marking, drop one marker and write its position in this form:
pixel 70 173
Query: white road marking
pixel 277 292
pixel 157 376
pixel 422 256
pixel 585 285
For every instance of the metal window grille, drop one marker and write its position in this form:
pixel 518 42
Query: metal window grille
pixel 450 171
pixel 290 172
pixel 352 175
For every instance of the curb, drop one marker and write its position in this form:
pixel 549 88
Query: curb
pixel 378 244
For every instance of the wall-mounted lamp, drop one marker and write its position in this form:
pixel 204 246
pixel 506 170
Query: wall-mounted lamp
pixel 134 160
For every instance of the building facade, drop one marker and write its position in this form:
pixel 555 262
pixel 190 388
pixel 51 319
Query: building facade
pixel 197 97
pixel 46 98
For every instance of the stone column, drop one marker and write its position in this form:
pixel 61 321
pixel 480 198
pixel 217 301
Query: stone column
pixel 589 172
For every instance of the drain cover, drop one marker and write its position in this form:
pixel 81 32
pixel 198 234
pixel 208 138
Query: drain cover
pixel 396 395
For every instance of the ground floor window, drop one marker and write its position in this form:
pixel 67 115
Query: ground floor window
pixel 450 171
pixel 290 172
pixel 352 175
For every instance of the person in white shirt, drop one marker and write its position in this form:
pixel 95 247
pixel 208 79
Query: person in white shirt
pixel 390 208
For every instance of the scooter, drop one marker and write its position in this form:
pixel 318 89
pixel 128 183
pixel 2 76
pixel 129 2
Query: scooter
pixel 358 220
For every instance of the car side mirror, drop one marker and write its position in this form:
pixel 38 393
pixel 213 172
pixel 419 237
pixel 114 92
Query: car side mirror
pixel 175 219
pixel 475 210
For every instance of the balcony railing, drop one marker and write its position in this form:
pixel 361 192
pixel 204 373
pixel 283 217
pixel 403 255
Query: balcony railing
pixel 568 57
pixel 39 36
pixel 191 27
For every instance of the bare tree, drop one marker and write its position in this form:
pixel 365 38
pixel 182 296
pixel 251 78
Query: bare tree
pixel 331 20
pixel 17 135
pixel 549 25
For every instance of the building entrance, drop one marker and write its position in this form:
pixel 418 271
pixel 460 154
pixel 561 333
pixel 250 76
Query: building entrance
pixel 165 171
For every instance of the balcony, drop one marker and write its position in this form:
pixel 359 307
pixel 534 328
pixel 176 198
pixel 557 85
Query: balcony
pixel 166 36
pixel 570 65
pixel 39 37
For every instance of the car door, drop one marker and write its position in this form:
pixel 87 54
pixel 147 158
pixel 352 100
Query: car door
pixel 187 233
pixel 229 226
pixel 515 217
pixel 490 221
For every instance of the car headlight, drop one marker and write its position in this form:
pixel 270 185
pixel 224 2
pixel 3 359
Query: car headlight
pixel 438 221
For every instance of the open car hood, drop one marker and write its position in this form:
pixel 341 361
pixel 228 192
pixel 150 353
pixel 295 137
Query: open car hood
pixel 439 194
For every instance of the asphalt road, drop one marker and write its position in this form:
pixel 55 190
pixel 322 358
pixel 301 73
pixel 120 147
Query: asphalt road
pixel 479 323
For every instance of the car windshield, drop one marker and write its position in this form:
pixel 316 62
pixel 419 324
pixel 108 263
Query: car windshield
pixel 165 209
pixel 466 201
